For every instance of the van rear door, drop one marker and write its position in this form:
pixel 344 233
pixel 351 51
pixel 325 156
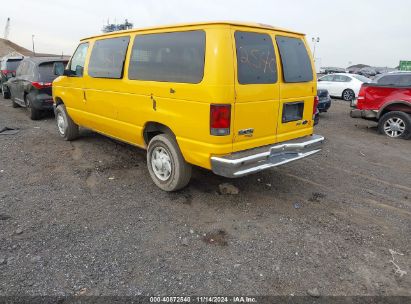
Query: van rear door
pixel 298 88
pixel 257 89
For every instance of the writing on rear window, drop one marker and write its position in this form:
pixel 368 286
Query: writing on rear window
pixel 256 62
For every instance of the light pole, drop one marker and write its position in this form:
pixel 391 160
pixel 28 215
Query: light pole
pixel 32 40
pixel 315 41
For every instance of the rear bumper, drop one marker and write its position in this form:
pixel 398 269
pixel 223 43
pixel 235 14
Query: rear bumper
pixel 251 161
pixel 42 102
pixel 366 114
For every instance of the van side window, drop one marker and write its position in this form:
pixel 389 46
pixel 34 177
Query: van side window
pixel 168 57
pixel 107 58
pixel 295 60
pixel 256 62
pixel 76 65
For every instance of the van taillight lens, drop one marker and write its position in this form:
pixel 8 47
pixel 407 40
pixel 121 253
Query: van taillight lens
pixel 41 85
pixel 220 120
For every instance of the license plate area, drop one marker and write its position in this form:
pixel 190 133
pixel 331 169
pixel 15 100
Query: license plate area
pixel 293 111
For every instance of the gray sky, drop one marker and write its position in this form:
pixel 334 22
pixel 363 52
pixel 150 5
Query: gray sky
pixel 375 32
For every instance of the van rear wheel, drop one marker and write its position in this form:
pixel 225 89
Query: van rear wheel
pixel 65 125
pixel 166 164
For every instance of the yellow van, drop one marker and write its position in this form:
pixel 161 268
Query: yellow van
pixel 234 98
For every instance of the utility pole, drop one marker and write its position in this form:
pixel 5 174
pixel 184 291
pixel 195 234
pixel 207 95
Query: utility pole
pixel 7 29
pixel 32 40
pixel 315 41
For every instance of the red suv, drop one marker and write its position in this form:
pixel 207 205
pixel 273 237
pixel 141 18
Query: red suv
pixel 387 100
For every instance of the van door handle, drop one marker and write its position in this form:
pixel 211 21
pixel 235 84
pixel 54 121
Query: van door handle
pixel 154 102
pixel 84 96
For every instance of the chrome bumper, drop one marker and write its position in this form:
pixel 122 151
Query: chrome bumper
pixel 366 114
pixel 251 161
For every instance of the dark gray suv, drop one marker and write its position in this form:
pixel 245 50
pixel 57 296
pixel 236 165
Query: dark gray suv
pixel 31 88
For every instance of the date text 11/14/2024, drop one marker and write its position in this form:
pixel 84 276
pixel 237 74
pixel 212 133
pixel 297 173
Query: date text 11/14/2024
pixel 204 299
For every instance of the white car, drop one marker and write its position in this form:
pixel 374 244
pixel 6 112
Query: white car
pixel 343 85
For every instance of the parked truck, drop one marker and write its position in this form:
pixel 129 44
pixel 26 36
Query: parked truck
pixel 387 100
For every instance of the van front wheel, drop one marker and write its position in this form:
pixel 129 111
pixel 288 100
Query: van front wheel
pixel 65 125
pixel 166 164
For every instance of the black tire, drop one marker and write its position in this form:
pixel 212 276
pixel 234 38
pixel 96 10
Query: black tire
pixel 65 125
pixel 180 174
pixel 14 104
pixel 33 113
pixel 395 124
pixel 348 95
pixel 5 92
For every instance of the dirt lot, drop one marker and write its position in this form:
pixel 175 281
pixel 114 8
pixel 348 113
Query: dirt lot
pixel 85 218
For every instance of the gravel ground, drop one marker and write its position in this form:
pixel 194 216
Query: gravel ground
pixel 85 218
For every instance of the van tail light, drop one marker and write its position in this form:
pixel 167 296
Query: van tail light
pixel 41 85
pixel 220 119
pixel 5 72
pixel 315 105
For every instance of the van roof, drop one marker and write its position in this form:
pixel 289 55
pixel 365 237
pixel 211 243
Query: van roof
pixel 171 26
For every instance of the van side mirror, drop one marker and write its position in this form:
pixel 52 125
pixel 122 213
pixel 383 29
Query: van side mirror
pixel 58 68
pixel 68 73
pixel 79 70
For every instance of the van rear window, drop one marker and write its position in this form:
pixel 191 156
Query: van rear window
pixel 256 62
pixel 168 57
pixel 295 60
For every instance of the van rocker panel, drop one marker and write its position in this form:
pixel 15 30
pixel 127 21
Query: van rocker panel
pixel 254 160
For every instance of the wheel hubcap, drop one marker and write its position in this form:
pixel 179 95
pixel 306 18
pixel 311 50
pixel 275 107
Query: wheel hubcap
pixel 161 163
pixel 348 95
pixel 61 123
pixel 394 127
